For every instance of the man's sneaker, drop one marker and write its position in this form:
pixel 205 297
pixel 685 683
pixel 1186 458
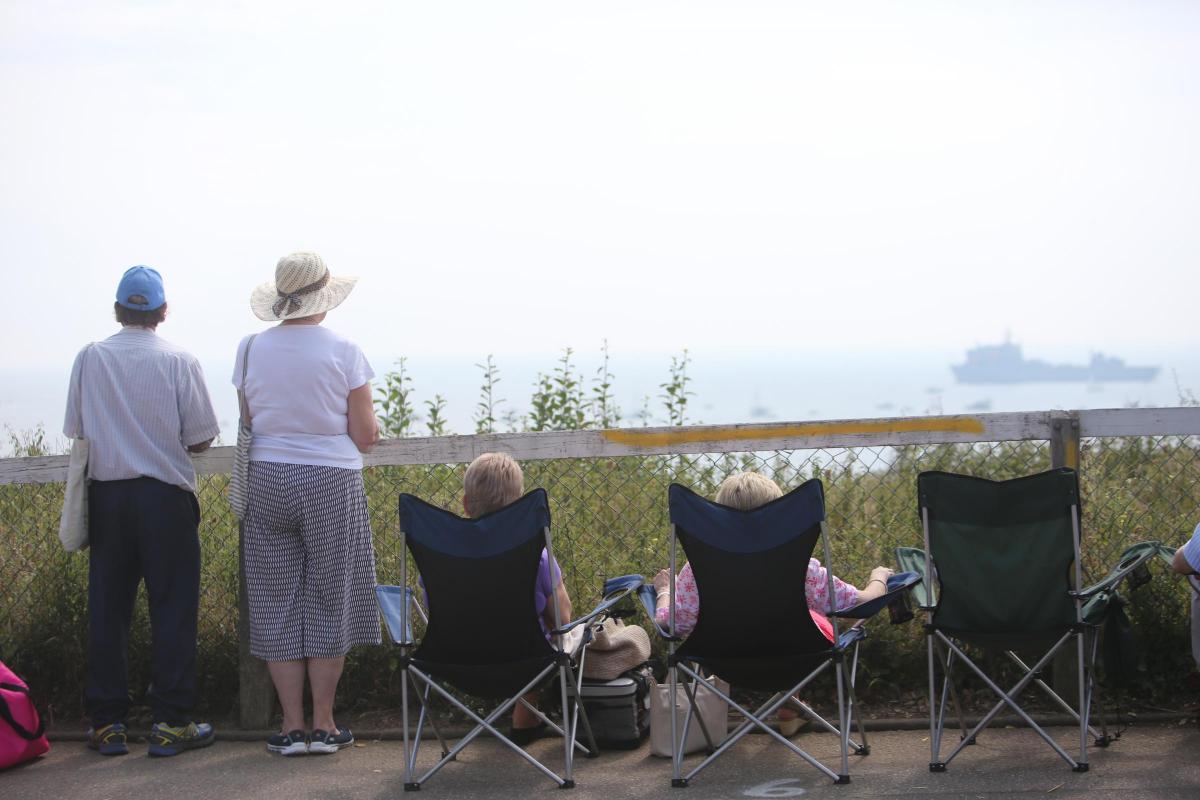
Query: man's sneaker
pixel 167 740
pixel 326 742
pixel 109 740
pixel 288 744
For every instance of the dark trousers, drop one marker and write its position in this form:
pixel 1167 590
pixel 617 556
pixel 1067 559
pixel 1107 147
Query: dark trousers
pixel 142 529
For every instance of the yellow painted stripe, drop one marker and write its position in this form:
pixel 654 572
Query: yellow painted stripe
pixel 1072 455
pixel 635 438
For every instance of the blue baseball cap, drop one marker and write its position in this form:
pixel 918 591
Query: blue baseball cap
pixel 141 289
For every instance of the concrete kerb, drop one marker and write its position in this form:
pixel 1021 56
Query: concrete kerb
pixel 230 734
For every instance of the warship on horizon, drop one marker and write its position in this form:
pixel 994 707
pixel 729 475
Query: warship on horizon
pixel 1003 363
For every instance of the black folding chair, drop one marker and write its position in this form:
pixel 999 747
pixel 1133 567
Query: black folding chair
pixel 482 635
pixel 1007 575
pixel 754 629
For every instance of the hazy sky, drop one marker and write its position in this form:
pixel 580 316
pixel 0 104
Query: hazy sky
pixel 513 177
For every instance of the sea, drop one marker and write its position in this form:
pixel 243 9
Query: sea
pixel 725 386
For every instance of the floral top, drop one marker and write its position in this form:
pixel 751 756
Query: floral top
pixel 816 589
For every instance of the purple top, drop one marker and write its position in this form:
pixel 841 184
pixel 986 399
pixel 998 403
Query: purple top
pixel 549 575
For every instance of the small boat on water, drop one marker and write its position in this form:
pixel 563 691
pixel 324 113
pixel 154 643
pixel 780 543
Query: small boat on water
pixel 1004 363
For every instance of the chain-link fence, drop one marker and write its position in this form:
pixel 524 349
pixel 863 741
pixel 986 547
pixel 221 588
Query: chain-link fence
pixel 610 518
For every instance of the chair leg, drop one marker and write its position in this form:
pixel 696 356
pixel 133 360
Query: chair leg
pixel 1103 740
pixel 677 780
pixel 1049 692
pixel 1008 698
pixel 486 724
pixel 935 765
pixel 757 720
pixel 579 714
pixel 690 690
pixel 559 730
pixel 568 733
pixel 950 689
pixel 1084 710
pixel 853 714
pixel 843 722
pixel 409 784
pixel 427 714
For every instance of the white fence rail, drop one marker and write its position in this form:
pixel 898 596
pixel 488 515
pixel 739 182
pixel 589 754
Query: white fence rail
pixel 1140 470
pixel 882 432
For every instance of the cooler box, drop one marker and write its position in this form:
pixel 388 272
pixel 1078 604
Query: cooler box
pixel 618 710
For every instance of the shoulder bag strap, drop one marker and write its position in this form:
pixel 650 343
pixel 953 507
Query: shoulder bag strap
pixel 7 716
pixel 83 368
pixel 244 407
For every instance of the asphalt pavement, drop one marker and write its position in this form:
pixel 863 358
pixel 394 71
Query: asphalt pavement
pixel 1152 761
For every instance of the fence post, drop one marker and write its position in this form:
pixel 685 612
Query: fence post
pixel 256 695
pixel 1064 452
pixel 1064 440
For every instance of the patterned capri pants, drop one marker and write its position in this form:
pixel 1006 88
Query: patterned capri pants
pixel 310 565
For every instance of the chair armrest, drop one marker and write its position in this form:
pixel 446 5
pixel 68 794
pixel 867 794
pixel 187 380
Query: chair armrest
pixel 896 584
pixel 1166 555
pixel 615 590
pixel 851 635
pixel 1133 557
pixel 649 598
pixel 912 559
pixel 392 601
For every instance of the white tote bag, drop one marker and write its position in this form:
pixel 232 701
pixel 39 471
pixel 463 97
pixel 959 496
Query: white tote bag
pixel 73 527
pixel 712 708
pixel 238 493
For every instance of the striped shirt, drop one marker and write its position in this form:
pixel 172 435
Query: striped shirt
pixel 142 402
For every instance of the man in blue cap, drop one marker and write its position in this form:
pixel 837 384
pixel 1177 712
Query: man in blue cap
pixel 142 404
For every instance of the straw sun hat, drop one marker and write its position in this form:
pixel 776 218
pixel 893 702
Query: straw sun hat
pixel 616 648
pixel 302 287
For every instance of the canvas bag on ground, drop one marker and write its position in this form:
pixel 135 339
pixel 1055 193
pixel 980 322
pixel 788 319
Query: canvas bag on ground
pixel 22 735
pixel 73 526
pixel 238 493
pixel 713 709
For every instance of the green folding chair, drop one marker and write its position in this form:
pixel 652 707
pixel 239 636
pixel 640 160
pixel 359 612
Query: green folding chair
pixel 1005 558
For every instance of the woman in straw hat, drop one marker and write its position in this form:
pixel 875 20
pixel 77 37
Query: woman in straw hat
pixel 310 568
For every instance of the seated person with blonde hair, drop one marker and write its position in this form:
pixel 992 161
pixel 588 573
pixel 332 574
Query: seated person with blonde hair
pixel 746 491
pixel 493 481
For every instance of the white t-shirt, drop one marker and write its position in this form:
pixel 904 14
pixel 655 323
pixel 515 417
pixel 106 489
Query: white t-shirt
pixel 1191 554
pixel 297 386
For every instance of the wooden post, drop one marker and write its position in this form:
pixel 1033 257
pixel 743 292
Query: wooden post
pixel 1064 452
pixel 1064 440
pixel 256 694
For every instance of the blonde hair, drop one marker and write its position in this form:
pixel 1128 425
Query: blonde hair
pixel 747 490
pixel 492 481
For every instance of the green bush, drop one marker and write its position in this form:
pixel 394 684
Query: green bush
pixel 610 518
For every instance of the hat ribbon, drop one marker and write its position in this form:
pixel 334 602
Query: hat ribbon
pixel 289 302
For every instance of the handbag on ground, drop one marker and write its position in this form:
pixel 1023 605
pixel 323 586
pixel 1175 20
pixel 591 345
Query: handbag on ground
pixel 22 734
pixel 712 709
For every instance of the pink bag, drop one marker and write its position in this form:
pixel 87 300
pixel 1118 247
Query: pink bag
pixel 22 734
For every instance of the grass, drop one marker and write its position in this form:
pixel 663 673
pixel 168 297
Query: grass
pixel 610 519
